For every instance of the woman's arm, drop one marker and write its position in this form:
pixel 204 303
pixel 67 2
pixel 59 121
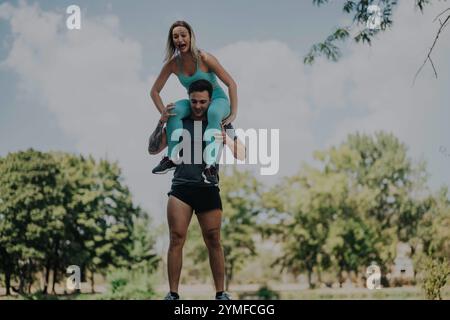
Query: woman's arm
pixel 214 65
pixel 165 73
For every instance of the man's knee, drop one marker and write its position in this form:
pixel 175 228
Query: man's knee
pixel 177 239
pixel 212 238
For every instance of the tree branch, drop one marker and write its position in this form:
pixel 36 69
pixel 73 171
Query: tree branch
pixel 443 25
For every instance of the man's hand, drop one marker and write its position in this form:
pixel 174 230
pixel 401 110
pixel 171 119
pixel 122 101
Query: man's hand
pixel 220 137
pixel 167 112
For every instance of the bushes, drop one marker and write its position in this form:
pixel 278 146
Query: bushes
pixel 59 209
pixel 436 272
pixel 125 285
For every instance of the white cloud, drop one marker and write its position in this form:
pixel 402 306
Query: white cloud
pixel 90 80
pixel 375 83
pixel 272 95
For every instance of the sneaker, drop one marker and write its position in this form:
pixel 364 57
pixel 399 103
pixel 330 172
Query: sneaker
pixel 171 296
pixel 210 175
pixel 165 165
pixel 223 296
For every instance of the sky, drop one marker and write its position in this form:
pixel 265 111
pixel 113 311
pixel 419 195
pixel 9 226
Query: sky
pixel 87 91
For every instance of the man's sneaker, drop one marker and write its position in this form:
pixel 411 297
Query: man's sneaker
pixel 223 296
pixel 210 175
pixel 171 296
pixel 164 166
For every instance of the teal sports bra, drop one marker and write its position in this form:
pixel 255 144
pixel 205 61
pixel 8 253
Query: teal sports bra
pixel 199 74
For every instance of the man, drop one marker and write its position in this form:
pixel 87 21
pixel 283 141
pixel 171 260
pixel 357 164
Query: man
pixel 191 192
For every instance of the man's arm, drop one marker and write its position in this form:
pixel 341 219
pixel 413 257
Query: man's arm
pixel 158 139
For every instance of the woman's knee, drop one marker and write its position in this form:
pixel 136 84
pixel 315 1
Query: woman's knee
pixel 182 109
pixel 216 112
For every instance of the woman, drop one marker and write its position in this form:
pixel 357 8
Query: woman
pixel 189 64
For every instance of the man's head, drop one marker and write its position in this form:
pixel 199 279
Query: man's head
pixel 200 93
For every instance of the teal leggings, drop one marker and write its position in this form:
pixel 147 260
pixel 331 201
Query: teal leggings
pixel 218 110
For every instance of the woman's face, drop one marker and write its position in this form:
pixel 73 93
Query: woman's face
pixel 181 39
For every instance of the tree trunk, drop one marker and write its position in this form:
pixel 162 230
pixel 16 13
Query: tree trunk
pixel 55 276
pixel 21 290
pixel 47 277
pixel 413 252
pixel 8 282
pixel 340 278
pixel 319 276
pixel 310 279
pixel 55 266
pixel 92 282
pixel 229 276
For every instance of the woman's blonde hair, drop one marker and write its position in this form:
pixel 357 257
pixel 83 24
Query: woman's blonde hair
pixel 170 47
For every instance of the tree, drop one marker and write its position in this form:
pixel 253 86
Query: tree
pixel 241 206
pixel 240 201
pixel 58 209
pixel 32 215
pixel 363 15
pixel 100 223
pixel 350 211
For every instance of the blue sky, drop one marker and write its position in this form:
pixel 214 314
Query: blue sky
pixel 87 91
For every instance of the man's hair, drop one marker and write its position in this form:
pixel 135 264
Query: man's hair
pixel 201 85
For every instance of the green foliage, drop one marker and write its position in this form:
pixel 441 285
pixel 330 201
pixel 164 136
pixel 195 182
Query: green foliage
pixel 435 274
pixel 126 284
pixel 265 293
pixel 58 209
pixel 350 211
pixel 240 193
pixel 196 265
pixel 434 229
pixel 358 10
pixel 240 200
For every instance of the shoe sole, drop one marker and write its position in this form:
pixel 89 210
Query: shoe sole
pixel 163 172
pixel 208 182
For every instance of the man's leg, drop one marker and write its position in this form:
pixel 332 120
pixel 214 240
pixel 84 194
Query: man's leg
pixel 210 223
pixel 179 215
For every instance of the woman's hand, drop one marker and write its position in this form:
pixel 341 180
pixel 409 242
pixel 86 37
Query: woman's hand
pixel 167 112
pixel 229 119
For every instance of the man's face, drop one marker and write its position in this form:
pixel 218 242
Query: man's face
pixel 199 104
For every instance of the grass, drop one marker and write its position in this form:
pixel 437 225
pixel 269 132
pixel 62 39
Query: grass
pixel 133 292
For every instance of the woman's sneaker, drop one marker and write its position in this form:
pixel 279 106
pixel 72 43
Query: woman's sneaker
pixel 223 296
pixel 172 296
pixel 165 165
pixel 210 175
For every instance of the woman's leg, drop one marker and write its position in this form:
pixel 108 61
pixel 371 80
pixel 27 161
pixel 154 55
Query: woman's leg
pixel 179 216
pixel 218 110
pixel 182 110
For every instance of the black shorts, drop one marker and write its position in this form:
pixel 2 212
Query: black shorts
pixel 200 199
